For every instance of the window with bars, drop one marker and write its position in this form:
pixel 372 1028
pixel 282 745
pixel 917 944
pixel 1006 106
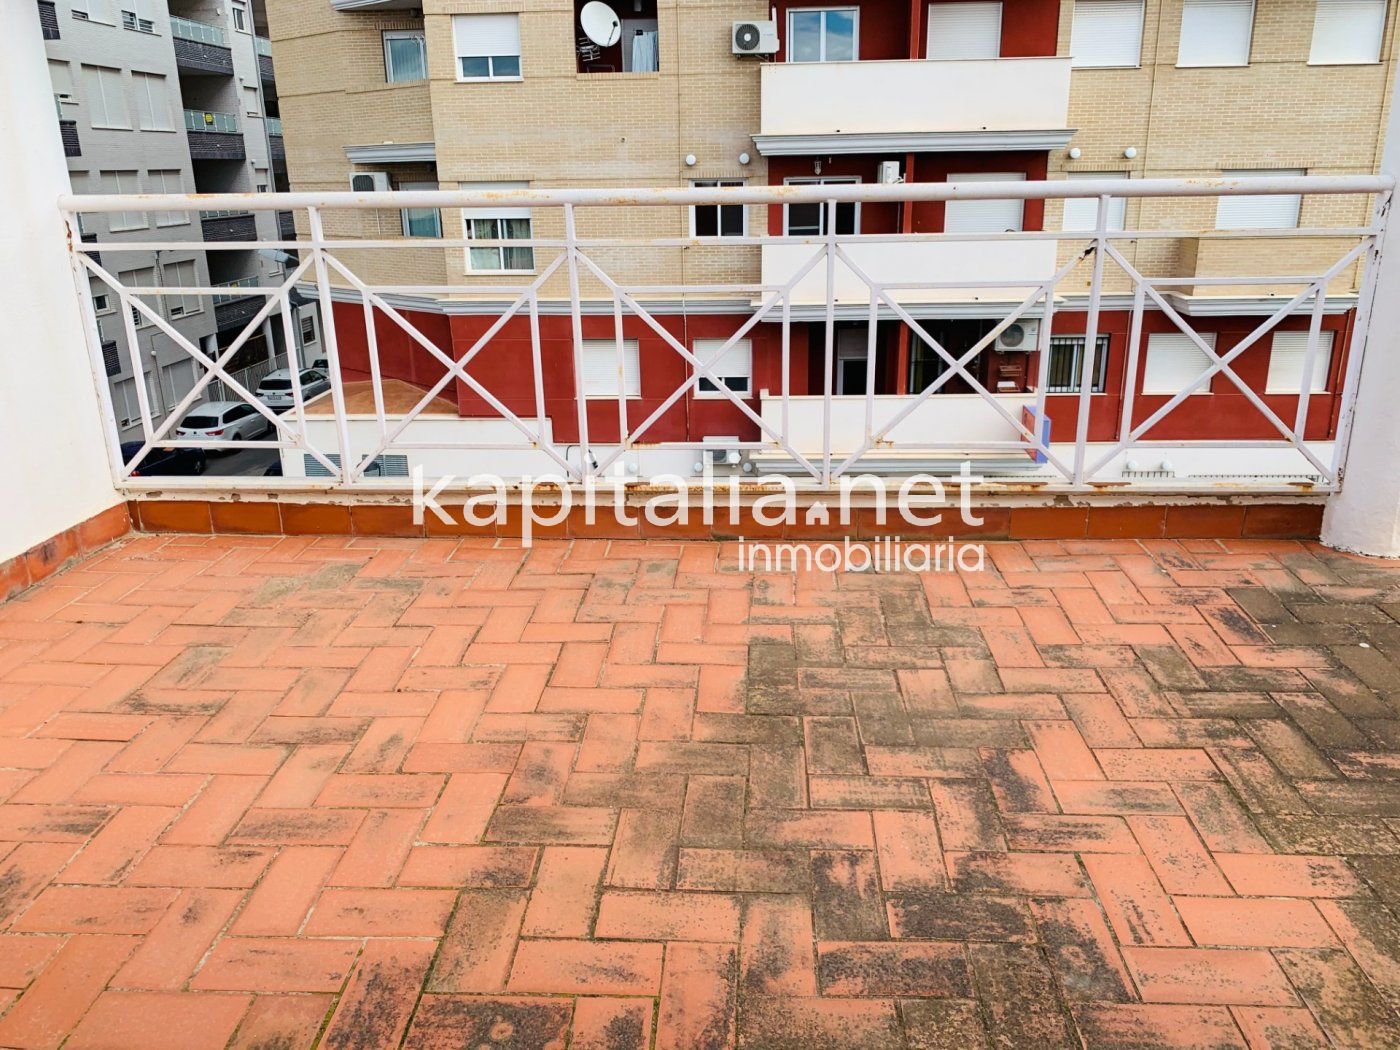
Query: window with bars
pixel 1066 370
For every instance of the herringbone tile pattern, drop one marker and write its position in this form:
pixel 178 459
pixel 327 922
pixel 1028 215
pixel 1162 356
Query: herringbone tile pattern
pixel 279 793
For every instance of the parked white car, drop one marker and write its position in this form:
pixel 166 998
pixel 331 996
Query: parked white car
pixel 275 391
pixel 223 421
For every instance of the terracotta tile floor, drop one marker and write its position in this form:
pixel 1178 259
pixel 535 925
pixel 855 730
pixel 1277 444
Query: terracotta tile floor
pixel 270 792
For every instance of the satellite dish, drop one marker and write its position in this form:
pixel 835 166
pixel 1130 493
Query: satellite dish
pixel 600 24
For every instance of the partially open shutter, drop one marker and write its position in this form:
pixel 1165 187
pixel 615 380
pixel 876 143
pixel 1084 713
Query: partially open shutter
pixel 964 30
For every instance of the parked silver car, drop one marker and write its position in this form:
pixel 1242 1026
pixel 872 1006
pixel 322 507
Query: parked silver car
pixel 275 391
pixel 223 421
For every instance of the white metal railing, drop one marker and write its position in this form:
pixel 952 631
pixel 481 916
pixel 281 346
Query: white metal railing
pixel 199 32
pixel 816 431
pixel 207 120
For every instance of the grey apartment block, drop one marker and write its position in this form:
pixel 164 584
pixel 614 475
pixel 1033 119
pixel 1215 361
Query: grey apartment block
pixel 170 96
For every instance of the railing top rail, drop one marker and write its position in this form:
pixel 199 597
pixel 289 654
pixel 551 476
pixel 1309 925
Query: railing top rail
pixel 790 194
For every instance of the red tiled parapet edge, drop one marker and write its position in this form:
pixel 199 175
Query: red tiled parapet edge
pixel 45 559
pixel 1190 521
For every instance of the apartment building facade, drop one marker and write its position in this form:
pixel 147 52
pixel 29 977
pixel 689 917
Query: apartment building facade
pixel 512 93
pixel 175 97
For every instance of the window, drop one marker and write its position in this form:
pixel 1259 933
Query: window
pixel 181 275
pixel 1082 213
pixel 405 55
pixel 130 20
pixel 1174 361
pixel 123 182
pixel 1347 32
pixel 809 220
pixel 102 11
pixel 1286 362
pixel 1270 211
pixel 734 369
pixel 240 16
pixel 718 220
pixel 105 98
pixel 989 216
pixel 600 372
pixel 142 278
pixel 488 46
pixel 421 222
pixel 1106 33
pixel 964 30
pixel 308 328
pixel 1216 33
pixel 823 34
pixel 1067 364
pixel 498 224
pixel 153 111
pixel 61 76
pixel 102 304
pixel 167 182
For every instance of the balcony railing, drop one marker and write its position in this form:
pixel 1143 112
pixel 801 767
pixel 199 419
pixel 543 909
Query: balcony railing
pixel 274 125
pixel 208 121
pixel 199 32
pixel 262 45
pixel 808 404
pixel 238 285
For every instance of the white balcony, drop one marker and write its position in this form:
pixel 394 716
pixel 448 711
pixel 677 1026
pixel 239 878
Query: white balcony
pixel 1020 264
pixel 859 107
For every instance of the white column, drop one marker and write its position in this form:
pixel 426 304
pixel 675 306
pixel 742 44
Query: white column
pixel 1365 516
pixel 57 472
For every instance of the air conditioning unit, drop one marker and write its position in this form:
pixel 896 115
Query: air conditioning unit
pixel 755 38
pixel 889 173
pixel 1019 337
pixel 370 182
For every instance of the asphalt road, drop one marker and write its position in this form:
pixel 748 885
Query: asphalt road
pixel 248 462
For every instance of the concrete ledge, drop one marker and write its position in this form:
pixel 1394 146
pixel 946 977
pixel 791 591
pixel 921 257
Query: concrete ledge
pixel 57 552
pixel 1204 521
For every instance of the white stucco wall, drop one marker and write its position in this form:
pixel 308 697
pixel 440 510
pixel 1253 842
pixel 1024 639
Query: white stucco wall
pixel 57 471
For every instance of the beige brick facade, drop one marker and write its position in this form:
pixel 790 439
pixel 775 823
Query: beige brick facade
pixel 558 128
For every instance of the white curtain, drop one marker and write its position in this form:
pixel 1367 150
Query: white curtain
pixel 644 58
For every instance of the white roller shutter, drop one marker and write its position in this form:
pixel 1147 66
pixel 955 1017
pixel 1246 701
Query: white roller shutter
pixel 1347 32
pixel 1082 213
pixel 964 30
pixel 600 368
pixel 1174 361
pixel 1216 33
pixel 483 35
pixel 1286 362
pixel 1269 211
pixel 1106 33
pixel 983 216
